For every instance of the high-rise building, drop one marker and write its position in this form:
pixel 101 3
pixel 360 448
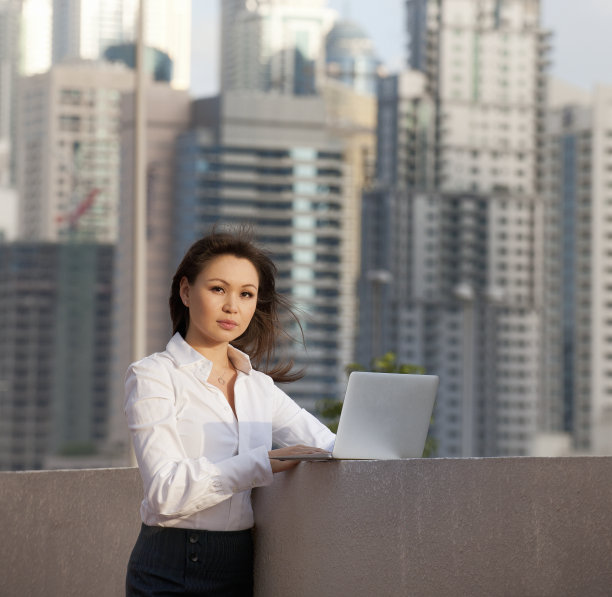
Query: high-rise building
pixel 69 151
pixel 578 260
pixel 270 162
pixel 451 275
pixel 274 45
pixel 168 112
pixel 291 169
pixel 10 11
pixel 86 28
pixel 484 65
pixel 35 36
pixel 350 57
pixel 55 312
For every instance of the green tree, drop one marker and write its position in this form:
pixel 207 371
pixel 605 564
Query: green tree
pixel 329 410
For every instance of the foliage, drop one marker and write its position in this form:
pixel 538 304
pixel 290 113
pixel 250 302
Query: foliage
pixel 329 410
pixel 78 449
pixel 387 364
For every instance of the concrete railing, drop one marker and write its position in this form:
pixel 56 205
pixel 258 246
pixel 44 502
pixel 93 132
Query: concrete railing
pixel 520 527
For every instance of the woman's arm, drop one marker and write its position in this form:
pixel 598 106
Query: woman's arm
pixel 295 426
pixel 174 484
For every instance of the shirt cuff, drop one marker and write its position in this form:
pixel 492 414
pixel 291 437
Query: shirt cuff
pixel 245 471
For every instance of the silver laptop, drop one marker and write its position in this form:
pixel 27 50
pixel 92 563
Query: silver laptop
pixel 385 417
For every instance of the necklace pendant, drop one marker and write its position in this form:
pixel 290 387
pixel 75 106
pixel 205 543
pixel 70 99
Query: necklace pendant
pixel 221 381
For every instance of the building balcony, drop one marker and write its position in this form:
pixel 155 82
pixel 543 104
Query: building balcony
pixel 426 527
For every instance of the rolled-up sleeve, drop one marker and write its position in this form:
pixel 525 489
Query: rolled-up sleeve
pixel 176 485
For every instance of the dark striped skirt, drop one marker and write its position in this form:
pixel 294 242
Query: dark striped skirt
pixel 171 561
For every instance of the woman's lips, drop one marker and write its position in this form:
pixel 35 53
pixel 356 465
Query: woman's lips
pixel 227 324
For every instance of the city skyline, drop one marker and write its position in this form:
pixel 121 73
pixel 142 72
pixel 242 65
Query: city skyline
pixel 451 218
pixel 578 44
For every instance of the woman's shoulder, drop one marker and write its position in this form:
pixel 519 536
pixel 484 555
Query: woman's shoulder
pixel 260 377
pixel 155 362
pixel 266 384
pixel 176 354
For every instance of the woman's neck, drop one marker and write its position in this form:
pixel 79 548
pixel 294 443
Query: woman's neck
pixel 217 354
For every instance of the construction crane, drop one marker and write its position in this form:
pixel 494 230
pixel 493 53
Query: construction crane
pixel 80 210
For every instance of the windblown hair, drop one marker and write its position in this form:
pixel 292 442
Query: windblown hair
pixel 259 339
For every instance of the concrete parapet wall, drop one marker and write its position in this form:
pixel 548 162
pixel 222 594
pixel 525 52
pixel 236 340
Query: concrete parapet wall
pixel 67 533
pixel 519 527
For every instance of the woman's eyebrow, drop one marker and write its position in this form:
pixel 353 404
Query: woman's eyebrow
pixel 228 284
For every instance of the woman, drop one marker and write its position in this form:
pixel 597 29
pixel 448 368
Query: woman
pixel 203 423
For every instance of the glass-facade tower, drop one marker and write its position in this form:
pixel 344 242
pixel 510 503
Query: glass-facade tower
pixel 288 185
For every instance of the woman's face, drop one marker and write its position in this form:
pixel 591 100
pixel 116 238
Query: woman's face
pixel 221 301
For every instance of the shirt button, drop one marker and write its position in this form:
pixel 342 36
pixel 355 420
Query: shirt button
pixel 193 538
pixel 193 557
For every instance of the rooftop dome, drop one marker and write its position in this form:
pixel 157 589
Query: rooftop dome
pixel 347 37
pixel 346 29
pixel 350 57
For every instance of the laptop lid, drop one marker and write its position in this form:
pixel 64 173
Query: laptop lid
pixel 385 416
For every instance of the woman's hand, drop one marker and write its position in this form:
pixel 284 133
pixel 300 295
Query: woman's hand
pixel 279 466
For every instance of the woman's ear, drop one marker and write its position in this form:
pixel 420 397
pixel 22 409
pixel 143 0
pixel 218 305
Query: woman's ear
pixel 184 291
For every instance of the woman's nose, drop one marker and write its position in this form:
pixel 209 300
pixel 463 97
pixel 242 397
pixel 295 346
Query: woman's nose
pixel 230 304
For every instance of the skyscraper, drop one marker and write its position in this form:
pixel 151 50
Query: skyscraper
pixel 168 112
pixel 36 29
pixel 484 65
pixel 69 151
pixel 9 62
pixel 55 312
pixel 578 257
pixel 86 28
pixel 270 162
pixel 456 263
pixel 350 57
pixel 274 45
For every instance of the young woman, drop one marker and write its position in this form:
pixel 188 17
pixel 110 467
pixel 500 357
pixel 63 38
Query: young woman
pixel 203 423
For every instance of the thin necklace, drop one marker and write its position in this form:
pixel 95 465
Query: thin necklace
pixel 221 379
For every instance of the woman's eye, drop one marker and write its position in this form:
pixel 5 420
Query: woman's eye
pixel 217 289
pixel 247 294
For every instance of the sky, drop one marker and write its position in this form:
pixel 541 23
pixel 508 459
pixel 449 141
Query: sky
pixel 581 52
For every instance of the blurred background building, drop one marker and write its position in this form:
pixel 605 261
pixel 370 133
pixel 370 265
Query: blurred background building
pixel 274 45
pixel 86 29
pixel 578 261
pixel 56 321
pixel 68 123
pixel 290 182
pixel 451 275
pixel 350 57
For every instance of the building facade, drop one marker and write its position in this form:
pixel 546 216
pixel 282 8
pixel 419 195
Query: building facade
pixel 274 46
pixel 280 171
pixel 350 57
pixel 35 31
pixel 56 315
pixel 85 29
pixel 69 152
pixel 578 204
pixel 452 252
pixel 167 116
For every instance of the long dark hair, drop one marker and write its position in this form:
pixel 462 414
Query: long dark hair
pixel 259 339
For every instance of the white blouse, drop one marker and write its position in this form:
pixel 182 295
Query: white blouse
pixel 198 462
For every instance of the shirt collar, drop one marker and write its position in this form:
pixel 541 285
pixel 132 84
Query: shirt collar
pixel 183 354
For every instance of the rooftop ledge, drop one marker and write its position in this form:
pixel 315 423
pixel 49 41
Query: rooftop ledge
pixel 513 527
